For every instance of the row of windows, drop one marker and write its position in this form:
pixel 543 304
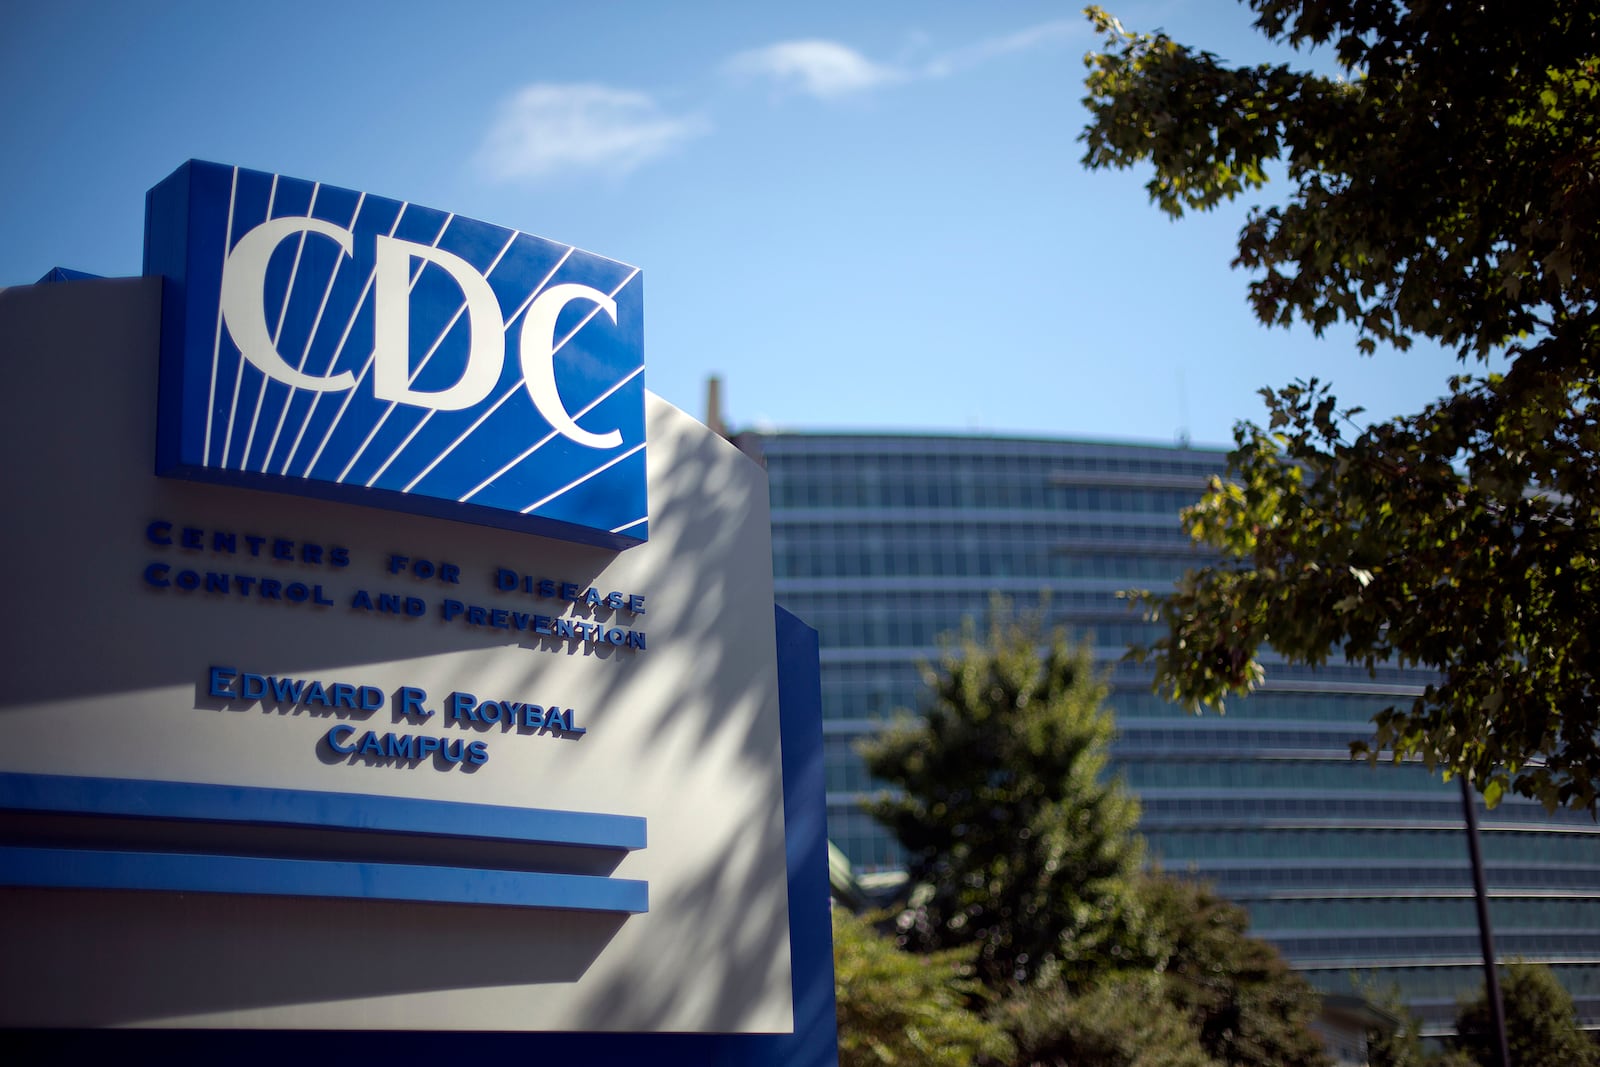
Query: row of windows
pixel 1445 983
pixel 1501 846
pixel 858 836
pixel 1173 812
pixel 1286 774
pixel 873 691
pixel 1352 708
pixel 870 847
pixel 1136 676
pixel 882 630
pixel 1299 950
pixel 869 488
pixel 969 458
pixel 1147 741
pixel 1254 882
pixel 926 558
pixel 1425 913
pixel 1074 609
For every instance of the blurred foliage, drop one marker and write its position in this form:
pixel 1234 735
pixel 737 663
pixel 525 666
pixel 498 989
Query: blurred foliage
pixel 1444 185
pixel 1024 859
pixel 895 1007
pixel 1541 1023
pixel 1020 843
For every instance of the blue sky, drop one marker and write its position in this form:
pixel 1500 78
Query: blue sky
pixel 866 216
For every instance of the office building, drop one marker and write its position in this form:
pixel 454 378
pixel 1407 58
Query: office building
pixel 883 543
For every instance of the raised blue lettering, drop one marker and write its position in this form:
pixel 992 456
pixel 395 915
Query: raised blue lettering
pixel 222 681
pixel 408 702
pixel 462 704
pixel 336 738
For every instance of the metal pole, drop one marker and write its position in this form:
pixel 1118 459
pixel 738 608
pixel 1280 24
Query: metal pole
pixel 1497 1007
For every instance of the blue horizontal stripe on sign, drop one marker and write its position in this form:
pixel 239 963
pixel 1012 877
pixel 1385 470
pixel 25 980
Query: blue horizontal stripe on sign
pixel 199 802
pixel 178 872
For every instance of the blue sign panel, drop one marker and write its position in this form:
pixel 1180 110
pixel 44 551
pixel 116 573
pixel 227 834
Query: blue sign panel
pixel 325 342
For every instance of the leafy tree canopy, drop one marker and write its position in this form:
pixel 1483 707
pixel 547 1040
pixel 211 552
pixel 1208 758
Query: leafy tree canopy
pixel 898 1008
pixel 1446 185
pixel 1018 840
pixel 1248 1008
pixel 1122 1020
pixel 1541 1023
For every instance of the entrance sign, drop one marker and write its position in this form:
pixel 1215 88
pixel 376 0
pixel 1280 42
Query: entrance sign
pixel 297 767
pixel 330 343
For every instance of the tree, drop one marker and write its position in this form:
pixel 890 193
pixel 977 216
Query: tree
pixel 1246 1005
pixel 1402 1044
pixel 1023 853
pixel 899 1008
pixel 1446 186
pixel 1018 841
pixel 1541 1023
pixel 1122 1020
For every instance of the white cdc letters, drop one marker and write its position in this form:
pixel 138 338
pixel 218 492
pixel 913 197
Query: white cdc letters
pixel 244 310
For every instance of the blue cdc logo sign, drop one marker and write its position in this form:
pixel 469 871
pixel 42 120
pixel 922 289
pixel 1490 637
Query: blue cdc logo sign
pixel 325 342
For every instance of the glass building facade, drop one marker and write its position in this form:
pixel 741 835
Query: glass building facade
pixel 883 543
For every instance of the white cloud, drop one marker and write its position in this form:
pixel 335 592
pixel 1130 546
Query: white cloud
pixel 544 129
pixel 989 48
pixel 824 69
pixel 829 70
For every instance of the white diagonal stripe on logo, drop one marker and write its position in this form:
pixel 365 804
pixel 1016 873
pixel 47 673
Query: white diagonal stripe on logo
pixel 277 332
pixel 515 388
pixel 216 347
pixel 238 375
pixel 577 482
pixel 462 310
pixel 305 352
pixel 547 438
pixel 338 351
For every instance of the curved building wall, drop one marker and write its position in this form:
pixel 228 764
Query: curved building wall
pixel 883 543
